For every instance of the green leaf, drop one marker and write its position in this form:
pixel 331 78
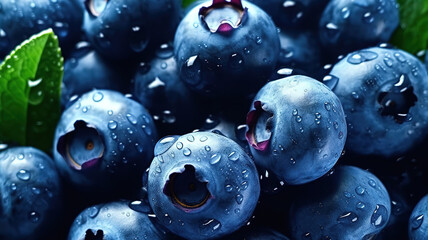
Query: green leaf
pixel 186 3
pixel 412 34
pixel 30 88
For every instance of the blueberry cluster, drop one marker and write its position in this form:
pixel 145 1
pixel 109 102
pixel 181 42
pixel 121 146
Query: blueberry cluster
pixel 225 119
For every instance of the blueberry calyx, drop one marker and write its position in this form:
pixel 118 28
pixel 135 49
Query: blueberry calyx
pixel 396 98
pixel 186 190
pixel 259 122
pixel 95 7
pixel 81 147
pixel 90 235
pixel 223 16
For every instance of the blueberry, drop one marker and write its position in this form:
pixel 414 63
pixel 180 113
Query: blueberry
pixel 295 14
pixel 119 220
pixel 227 48
pixel 350 203
pixel 296 129
pixel 202 185
pixel 300 50
pixel 175 109
pixel 104 142
pixel 418 225
pixel 21 19
pixel 30 194
pixel 383 93
pixel 85 70
pixel 124 29
pixel 348 25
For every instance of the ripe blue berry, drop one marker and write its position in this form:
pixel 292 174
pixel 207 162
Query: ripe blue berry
pixel 202 185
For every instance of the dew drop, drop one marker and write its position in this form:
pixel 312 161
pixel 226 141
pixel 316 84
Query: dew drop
pixel 93 211
pixel 112 124
pixel 239 198
pixel 417 221
pixel 348 217
pixel 360 190
pixel 23 175
pixel 379 216
pixel 34 217
pixel 215 158
pixel 187 152
pixel 131 118
pixel 98 96
pixel 233 156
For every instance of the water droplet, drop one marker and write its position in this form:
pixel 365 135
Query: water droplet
pixel 228 188
pixel 203 139
pixel 215 158
pixel 187 152
pixel 236 61
pixel 164 144
pixel 360 190
pixel 368 17
pixel 13 186
pixel 138 147
pixel 190 138
pixel 330 81
pixel 179 145
pixel 347 194
pixel 20 156
pixel 112 124
pixel 388 61
pixel 35 190
pixel 259 40
pixel 361 205
pixel 207 148
pixel 233 156
pixel 93 211
pixel 131 118
pixel 299 119
pixel 417 221
pixel 121 146
pixel 348 217
pixel 295 112
pixel 345 12
pixel 379 216
pixel 85 109
pixel 23 175
pixel 98 96
pixel 239 198
pixel 34 217
pixel 372 183
pixel 210 225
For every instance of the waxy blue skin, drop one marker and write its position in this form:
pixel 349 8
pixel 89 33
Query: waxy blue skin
pixel 418 223
pixel 116 221
pixel 296 14
pixel 350 203
pixel 360 79
pixel 230 176
pixel 23 18
pixel 30 194
pixel 122 134
pixel 157 85
pixel 85 70
pixel 301 131
pixel 126 29
pixel 300 50
pixel 242 58
pixel 348 25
